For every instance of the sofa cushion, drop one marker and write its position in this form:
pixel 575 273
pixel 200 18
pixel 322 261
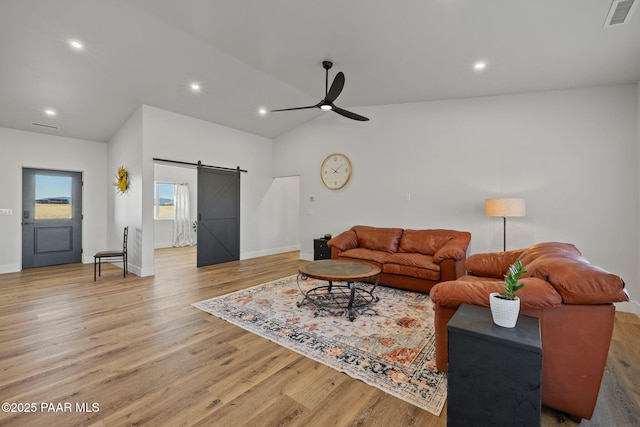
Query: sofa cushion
pixel 412 260
pixel 494 264
pixel 404 270
pixel 414 265
pixel 469 278
pixel 362 254
pixel 426 242
pixel 378 239
pixel 536 293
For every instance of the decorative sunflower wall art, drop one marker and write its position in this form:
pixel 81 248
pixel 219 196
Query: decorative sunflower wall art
pixel 122 180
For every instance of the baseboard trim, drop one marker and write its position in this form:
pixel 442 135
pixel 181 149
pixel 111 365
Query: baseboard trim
pixel 144 272
pixel 9 268
pixel 306 256
pixel 256 254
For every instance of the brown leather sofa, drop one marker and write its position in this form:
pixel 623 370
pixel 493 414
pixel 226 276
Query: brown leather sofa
pixel 573 300
pixel 409 259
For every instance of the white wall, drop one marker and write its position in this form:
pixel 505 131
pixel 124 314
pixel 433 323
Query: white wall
pixel 163 233
pixel 573 155
pixel 176 137
pixel 636 294
pixel 125 210
pixel 278 216
pixel 27 149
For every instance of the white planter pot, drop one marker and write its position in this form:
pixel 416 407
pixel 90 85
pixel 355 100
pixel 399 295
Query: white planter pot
pixel 505 312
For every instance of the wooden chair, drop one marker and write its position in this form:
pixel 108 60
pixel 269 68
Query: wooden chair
pixel 97 258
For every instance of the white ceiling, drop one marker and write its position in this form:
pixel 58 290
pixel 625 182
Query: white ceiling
pixel 248 54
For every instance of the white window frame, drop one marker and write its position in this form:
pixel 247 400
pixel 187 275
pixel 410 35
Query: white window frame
pixel 156 200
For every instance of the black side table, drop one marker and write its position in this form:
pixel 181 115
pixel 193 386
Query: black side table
pixel 321 250
pixel 494 373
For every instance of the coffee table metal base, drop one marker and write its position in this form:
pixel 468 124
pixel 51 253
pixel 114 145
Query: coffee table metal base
pixel 347 297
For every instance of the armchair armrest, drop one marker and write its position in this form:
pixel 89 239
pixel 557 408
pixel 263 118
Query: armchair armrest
pixel 491 264
pixel 578 281
pixel 537 293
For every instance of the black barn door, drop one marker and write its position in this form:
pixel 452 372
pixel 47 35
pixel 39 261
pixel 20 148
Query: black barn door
pixel 218 216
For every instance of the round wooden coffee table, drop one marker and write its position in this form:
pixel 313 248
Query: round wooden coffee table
pixel 348 297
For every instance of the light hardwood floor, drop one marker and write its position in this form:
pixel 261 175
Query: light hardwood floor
pixel 137 349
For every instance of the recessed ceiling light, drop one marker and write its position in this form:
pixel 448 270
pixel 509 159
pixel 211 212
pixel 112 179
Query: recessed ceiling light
pixel 50 112
pixel 262 111
pixel 480 65
pixel 76 44
pixel 195 87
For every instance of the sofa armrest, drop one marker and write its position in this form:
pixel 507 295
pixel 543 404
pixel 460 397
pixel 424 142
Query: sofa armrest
pixel 491 264
pixel 335 253
pixel 451 269
pixel 456 248
pixel 343 241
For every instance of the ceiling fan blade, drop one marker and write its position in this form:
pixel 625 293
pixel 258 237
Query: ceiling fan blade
pixel 296 108
pixel 330 95
pixel 349 114
pixel 336 87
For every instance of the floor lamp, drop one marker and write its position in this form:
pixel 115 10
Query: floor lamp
pixel 505 208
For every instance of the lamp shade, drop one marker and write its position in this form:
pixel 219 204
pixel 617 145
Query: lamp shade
pixel 505 207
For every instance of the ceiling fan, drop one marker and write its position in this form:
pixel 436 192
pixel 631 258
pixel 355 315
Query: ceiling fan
pixel 330 96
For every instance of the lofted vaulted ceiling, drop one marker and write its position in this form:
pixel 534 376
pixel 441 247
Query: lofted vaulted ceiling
pixel 252 54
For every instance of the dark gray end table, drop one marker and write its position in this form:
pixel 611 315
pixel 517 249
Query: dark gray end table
pixel 494 373
pixel 321 250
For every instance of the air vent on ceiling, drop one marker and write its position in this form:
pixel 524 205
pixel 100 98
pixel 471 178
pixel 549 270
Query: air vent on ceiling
pixel 620 12
pixel 44 126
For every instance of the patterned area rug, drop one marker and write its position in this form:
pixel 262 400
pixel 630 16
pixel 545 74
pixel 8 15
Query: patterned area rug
pixel 390 345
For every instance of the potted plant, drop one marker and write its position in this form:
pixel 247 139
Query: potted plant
pixel 505 305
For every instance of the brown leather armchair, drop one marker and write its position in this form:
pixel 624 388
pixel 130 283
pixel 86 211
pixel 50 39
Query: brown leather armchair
pixel 574 302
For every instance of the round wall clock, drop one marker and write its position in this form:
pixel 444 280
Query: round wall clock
pixel 335 171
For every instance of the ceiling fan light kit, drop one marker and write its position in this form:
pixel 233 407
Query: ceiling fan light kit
pixel 330 95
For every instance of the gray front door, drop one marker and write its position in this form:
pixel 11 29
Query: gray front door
pixel 218 216
pixel 51 217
